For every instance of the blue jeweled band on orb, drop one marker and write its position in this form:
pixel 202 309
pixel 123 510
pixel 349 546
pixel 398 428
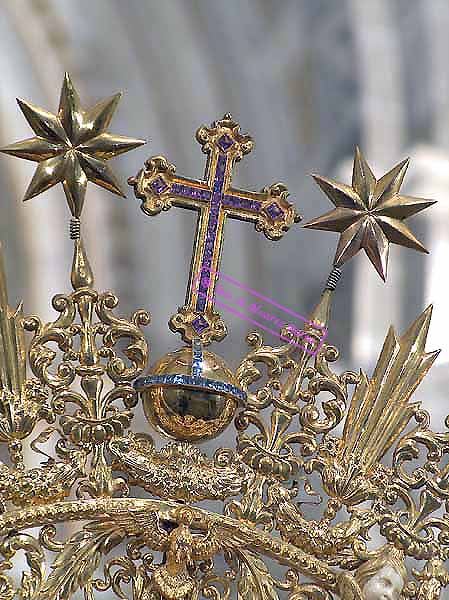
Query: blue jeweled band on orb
pixel 191 381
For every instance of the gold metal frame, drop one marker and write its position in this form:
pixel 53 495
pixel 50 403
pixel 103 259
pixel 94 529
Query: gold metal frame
pixel 385 470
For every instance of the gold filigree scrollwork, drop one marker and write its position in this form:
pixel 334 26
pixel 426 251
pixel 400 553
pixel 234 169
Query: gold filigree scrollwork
pixel 293 387
pixel 130 571
pixel 31 580
pixel 431 581
pixel 420 489
pixel 78 345
pixel 87 358
pixel 350 465
pixel 264 474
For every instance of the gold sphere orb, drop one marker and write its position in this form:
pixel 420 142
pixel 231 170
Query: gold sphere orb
pixel 190 397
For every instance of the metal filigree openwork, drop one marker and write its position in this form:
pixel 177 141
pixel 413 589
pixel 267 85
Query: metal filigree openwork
pixel 336 484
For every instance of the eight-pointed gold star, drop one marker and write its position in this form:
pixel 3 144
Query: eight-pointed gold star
pixel 369 214
pixel 71 147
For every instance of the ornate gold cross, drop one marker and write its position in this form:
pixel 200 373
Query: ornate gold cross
pixel 214 199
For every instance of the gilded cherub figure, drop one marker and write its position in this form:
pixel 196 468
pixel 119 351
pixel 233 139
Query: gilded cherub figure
pixel 381 577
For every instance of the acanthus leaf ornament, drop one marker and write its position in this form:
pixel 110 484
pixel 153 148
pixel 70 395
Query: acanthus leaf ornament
pixel 175 522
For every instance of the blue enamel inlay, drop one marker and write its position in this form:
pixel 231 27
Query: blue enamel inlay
pixel 197 358
pixel 194 381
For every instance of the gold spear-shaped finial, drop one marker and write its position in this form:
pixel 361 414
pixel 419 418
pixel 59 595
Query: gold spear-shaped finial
pixel 12 340
pixel 380 409
pixel 22 401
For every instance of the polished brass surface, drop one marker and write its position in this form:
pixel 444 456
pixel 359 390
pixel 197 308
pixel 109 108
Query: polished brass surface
pixel 369 214
pixel 168 521
pixel 72 146
pixel 190 414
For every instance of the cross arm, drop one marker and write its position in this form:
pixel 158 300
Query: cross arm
pixel 159 188
pixel 269 209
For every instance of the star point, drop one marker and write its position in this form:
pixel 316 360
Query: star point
pixel 370 213
pixel 72 146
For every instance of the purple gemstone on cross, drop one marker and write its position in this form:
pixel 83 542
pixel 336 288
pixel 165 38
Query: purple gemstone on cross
pixel 201 302
pixel 158 185
pixel 274 211
pixel 204 282
pixel 225 142
pixel 200 324
pixel 187 191
pixel 221 165
pixel 238 202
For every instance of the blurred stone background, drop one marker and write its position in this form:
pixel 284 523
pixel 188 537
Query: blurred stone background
pixel 308 80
